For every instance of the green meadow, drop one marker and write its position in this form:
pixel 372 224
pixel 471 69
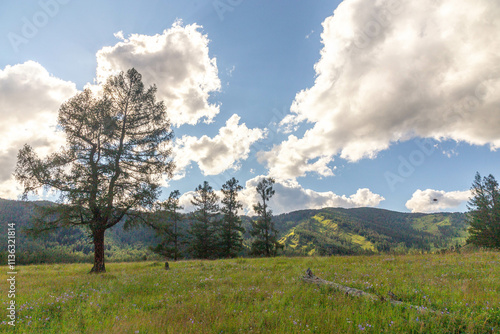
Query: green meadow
pixel 261 296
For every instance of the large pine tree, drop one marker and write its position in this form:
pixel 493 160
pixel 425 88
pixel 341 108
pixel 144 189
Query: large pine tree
pixel 116 154
pixel 204 228
pixel 484 214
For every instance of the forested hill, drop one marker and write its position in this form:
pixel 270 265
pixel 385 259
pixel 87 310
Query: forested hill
pixel 306 232
pixel 349 231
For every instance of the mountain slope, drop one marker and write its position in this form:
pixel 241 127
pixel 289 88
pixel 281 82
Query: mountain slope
pixel 348 231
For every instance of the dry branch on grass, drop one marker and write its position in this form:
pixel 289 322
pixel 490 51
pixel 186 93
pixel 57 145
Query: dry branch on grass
pixel 309 277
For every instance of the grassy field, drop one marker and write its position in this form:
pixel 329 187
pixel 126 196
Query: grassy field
pixel 261 296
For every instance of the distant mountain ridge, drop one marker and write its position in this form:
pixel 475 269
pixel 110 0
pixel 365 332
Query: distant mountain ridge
pixel 326 231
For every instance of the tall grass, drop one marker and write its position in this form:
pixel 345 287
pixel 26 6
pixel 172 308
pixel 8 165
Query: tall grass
pixel 261 296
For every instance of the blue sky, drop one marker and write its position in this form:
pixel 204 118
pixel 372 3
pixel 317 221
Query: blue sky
pixel 332 105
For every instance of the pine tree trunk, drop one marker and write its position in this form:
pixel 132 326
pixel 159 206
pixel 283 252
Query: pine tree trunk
pixel 98 252
pixel 268 251
pixel 175 240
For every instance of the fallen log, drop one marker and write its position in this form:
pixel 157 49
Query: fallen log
pixel 309 277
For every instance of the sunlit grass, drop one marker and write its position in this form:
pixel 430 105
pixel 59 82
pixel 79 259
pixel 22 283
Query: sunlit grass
pixel 261 296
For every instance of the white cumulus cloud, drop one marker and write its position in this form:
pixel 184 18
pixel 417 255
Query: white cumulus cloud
pixel 392 70
pixel 185 201
pixel 187 197
pixel 430 200
pixel 291 196
pixel 218 154
pixel 177 61
pixel 29 103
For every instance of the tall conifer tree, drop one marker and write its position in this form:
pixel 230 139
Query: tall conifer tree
pixel 263 229
pixel 231 230
pixel 166 223
pixel 484 214
pixel 204 228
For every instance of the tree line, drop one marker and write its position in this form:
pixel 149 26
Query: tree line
pixel 215 230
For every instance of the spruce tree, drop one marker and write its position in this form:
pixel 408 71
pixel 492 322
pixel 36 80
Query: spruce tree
pixel 231 230
pixel 204 228
pixel 484 214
